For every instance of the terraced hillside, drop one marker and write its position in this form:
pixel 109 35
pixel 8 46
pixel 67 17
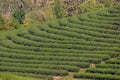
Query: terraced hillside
pixel 86 45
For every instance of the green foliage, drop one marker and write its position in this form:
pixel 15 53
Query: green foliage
pixel 56 48
pixel 90 5
pixel 108 3
pixel 35 16
pixel 2 32
pixel 9 24
pixel 13 23
pixel 112 66
pixel 58 8
pixel 48 13
pixel 2 22
pixel 19 15
pixel 103 71
pixel 96 76
pixel 8 76
pixel 41 71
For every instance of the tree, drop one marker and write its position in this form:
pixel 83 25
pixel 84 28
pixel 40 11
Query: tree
pixel 58 8
pixel 19 14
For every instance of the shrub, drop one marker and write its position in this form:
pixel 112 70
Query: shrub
pixel 58 9
pixel 13 23
pixel 90 5
pixel 96 76
pixel 19 14
pixel 108 3
pixel 2 22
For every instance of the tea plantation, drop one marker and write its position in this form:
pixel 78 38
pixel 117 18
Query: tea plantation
pixel 86 45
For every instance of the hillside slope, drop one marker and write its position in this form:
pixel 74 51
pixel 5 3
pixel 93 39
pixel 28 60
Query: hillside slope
pixel 8 76
pixel 89 43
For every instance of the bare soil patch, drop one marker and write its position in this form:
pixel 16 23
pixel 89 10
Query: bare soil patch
pixel 92 65
pixel 57 77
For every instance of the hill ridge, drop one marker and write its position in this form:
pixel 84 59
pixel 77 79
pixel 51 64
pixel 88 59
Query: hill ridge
pixel 56 48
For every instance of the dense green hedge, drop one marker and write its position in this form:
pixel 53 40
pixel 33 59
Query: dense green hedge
pixel 112 66
pixel 113 61
pixel 79 64
pixel 103 71
pixel 33 70
pixel 103 25
pixel 38 76
pixel 81 31
pixel 45 66
pixel 25 42
pixel 96 76
pixel 52 58
pixel 56 48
